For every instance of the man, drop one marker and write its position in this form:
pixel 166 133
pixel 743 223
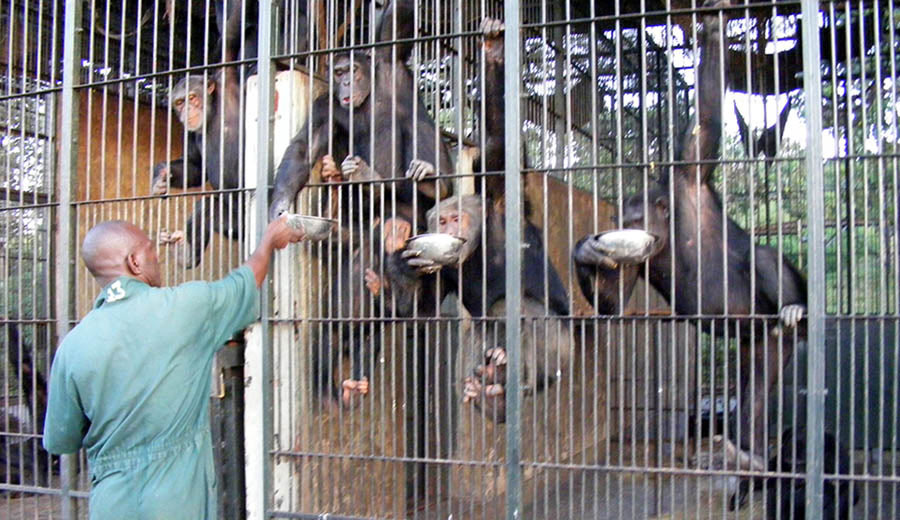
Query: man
pixel 131 382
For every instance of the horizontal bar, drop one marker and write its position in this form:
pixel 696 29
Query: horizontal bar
pixel 43 491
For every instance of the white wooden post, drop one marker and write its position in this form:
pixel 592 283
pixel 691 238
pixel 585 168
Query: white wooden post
pixel 291 105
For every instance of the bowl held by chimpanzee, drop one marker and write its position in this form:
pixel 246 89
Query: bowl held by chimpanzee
pixel 626 246
pixel 316 228
pixel 441 248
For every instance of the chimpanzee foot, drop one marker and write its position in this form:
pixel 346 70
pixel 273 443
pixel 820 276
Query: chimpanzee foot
pixel 490 399
pixel 486 390
pixel 494 368
pixel 792 314
pixel 352 388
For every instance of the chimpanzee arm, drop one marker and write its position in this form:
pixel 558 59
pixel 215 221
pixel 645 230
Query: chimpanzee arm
pixel 184 172
pixel 702 141
pixel 793 284
pixel 434 154
pixel 593 271
pixel 493 156
pixel 294 169
pixel 233 33
pixel 397 23
pixel 533 258
pixel 406 284
pixel 189 171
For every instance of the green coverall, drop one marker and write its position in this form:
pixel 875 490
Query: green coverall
pixel 131 385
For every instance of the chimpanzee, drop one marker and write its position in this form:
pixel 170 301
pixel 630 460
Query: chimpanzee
pixel 412 280
pixel 209 109
pixel 400 163
pixel 362 110
pixel 350 298
pixel 767 142
pixel 25 461
pixel 482 291
pixel 694 281
pixel 786 496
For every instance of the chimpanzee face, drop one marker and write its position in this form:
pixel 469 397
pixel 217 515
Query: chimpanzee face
pixel 190 101
pixel 460 217
pixel 454 222
pixel 656 206
pixel 352 79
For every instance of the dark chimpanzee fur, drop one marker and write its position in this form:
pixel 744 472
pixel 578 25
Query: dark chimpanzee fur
pixel 410 152
pixel 209 108
pixel 249 26
pixel 786 496
pixel 493 160
pixel 482 292
pixel 25 461
pixel 400 163
pixel 480 282
pixel 675 266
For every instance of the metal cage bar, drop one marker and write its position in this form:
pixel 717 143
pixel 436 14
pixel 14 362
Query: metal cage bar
pixel 627 400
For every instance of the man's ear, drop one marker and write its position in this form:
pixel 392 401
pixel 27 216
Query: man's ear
pixel 133 265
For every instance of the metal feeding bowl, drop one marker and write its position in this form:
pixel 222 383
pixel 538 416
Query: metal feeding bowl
pixel 316 228
pixel 441 248
pixel 626 246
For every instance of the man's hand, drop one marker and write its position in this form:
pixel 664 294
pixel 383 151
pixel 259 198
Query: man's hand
pixel 280 233
pixel 277 236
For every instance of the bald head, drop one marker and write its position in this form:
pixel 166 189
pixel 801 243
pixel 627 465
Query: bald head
pixel 117 248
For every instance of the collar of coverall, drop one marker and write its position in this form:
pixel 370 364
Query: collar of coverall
pixel 119 289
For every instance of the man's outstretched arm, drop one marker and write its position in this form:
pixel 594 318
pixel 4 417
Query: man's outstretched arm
pixel 277 236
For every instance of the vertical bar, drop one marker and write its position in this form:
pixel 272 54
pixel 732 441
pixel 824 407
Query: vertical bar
pixel 264 165
pixel 65 235
pixel 513 187
pixel 815 402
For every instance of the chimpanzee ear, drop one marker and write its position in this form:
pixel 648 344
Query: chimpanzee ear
pixel 662 204
pixel 210 87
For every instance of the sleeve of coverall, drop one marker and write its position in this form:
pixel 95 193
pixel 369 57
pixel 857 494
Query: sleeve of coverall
pixel 65 423
pixel 234 304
